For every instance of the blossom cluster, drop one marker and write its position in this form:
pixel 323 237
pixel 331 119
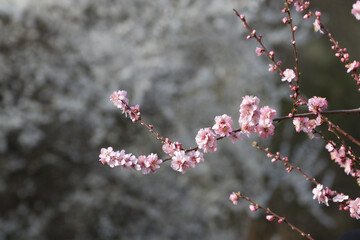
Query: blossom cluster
pixel 120 101
pixel 315 105
pixel 340 157
pixel 145 164
pixel 255 120
pixel 324 194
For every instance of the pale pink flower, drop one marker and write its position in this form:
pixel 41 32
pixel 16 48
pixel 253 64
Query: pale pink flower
pixel 249 114
pixel 271 68
pixel 348 166
pixel 320 194
pixel 150 163
pixel 106 154
pixel 128 160
pixel 297 4
pixel 354 207
pixel 169 147
pixel 265 128
pixel 222 125
pixel 340 198
pixel 288 75
pixel 329 147
pixel 119 99
pixel 234 198
pixel 356 10
pixel 235 136
pixel 180 161
pixel 259 51
pixel 352 66
pixel 134 113
pixel 316 104
pixel 206 140
pixel 317 26
pixel 195 157
pixel 305 125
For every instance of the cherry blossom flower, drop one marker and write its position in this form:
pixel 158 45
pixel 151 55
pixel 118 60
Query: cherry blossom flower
pixel 259 51
pixel 222 125
pixel 265 128
pixel 180 161
pixel 168 147
pixel 288 75
pixel 352 66
pixel 319 193
pixel 106 154
pixel 272 68
pixel 354 207
pixel 195 157
pixel 119 99
pixel 234 198
pixel 150 163
pixel 317 26
pixel 249 114
pixel 317 104
pixel 206 140
pixel 235 136
pixel 340 198
pixel 306 125
pixel 356 10
pixel 134 113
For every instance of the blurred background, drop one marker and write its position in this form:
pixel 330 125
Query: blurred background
pixel 184 62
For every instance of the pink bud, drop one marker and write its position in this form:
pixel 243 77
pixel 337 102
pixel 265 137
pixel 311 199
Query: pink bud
pixel 242 16
pixel 295 28
pixel 284 20
pixel 280 220
pixel 270 218
pixel 318 14
pixel 306 16
pixel 271 53
pixel 253 32
pixel 293 42
pixel 252 208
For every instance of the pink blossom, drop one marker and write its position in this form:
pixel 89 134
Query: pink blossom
pixel 180 161
pixel 150 163
pixel 348 166
pixel 106 154
pixel 195 157
pixel 222 125
pixel 352 66
pixel 128 160
pixel 234 198
pixel 259 51
pixel 272 68
pixel 249 114
pixel 317 26
pixel 134 113
pixel 265 128
pixel 340 198
pixel 297 4
pixel 235 136
pixel 356 10
pixel 316 104
pixel 119 99
pixel 206 140
pixel 284 20
pixel 354 207
pixel 319 193
pixel 288 75
pixel 168 147
pixel 305 125
pixel 270 218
